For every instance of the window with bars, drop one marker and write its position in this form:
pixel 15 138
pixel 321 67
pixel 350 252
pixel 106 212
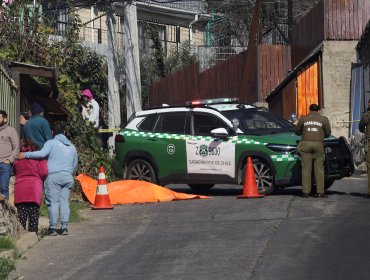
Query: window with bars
pixel 145 42
pixel 62 21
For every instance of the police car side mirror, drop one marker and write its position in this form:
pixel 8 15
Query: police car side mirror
pixel 219 133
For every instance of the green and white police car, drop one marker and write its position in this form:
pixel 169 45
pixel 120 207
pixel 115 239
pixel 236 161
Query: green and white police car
pixel 207 142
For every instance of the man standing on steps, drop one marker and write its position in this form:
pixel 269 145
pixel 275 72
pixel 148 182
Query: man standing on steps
pixel 62 163
pixel 364 127
pixel 9 149
pixel 313 128
pixel 37 128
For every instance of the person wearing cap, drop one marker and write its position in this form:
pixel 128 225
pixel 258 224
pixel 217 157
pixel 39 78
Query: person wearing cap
pixel 9 149
pixel 364 127
pixel 37 128
pixel 313 128
pixel 91 110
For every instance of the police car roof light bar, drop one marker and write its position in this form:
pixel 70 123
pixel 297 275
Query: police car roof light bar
pixel 213 101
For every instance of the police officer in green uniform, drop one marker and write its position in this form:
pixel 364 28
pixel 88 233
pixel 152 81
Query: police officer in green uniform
pixel 364 127
pixel 313 128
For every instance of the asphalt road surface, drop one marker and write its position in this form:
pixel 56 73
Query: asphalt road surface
pixel 281 236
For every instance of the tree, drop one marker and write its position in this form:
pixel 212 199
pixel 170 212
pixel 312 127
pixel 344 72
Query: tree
pixel 155 65
pixel 26 36
pixel 231 20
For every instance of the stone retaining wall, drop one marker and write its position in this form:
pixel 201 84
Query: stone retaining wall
pixel 9 225
pixel 358 144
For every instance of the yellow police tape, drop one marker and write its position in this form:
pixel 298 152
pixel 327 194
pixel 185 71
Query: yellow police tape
pixel 349 121
pixel 108 130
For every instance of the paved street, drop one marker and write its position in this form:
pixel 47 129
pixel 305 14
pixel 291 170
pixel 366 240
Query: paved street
pixel 277 237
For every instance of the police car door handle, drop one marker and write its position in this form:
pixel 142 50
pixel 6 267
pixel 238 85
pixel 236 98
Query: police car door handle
pixel 191 142
pixel 153 138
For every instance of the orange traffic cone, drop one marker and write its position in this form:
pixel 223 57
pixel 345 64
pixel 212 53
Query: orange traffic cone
pixel 102 197
pixel 250 185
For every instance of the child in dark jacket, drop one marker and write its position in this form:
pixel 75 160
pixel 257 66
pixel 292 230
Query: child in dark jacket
pixel 28 187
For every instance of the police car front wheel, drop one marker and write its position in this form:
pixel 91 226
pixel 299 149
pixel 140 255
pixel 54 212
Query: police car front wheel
pixel 140 169
pixel 264 176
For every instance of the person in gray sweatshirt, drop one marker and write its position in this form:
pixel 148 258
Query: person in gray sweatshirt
pixel 9 149
pixel 62 160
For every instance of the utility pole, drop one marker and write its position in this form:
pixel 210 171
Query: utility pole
pixel 133 83
pixel 114 115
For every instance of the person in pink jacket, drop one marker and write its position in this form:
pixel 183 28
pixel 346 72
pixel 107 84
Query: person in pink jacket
pixel 28 187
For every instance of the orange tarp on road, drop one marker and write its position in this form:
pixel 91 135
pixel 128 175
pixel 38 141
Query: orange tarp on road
pixel 132 191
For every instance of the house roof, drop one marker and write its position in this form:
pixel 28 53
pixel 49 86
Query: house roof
pixel 197 6
pixel 164 14
pixel 293 73
pixel 46 94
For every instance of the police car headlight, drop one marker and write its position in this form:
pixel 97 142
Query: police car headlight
pixel 282 148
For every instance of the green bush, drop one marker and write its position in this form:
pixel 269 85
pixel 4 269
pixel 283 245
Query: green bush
pixel 6 266
pixel 6 243
pixel 79 68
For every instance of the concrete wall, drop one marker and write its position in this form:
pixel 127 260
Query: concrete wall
pixel 336 67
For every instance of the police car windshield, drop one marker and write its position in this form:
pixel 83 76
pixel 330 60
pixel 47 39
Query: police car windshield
pixel 259 121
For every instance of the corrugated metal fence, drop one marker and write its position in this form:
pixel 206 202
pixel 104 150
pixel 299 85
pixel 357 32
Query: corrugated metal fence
pixel 8 96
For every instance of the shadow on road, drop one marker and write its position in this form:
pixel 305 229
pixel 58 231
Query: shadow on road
pixel 359 195
pixel 217 190
pixel 234 190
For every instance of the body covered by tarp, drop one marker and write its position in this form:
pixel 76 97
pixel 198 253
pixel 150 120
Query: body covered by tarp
pixel 132 191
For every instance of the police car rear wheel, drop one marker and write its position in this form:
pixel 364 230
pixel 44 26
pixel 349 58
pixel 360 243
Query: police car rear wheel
pixel 201 187
pixel 142 170
pixel 264 176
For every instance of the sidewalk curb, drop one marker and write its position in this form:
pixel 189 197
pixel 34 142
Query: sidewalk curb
pixel 8 254
pixel 25 241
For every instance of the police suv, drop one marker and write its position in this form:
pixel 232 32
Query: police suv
pixel 208 142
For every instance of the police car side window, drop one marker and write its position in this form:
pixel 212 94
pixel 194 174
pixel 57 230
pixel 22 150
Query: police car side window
pixel 173 123
pixel 148 123
pixel 204 123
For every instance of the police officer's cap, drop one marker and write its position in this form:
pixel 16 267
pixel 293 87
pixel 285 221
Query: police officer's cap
pixel 314 107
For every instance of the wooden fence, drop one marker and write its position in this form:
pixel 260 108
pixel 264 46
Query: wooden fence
pixel 8 97
pixel 250 79
pixel 339 20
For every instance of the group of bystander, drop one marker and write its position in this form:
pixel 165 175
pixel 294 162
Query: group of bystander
pixel 42 164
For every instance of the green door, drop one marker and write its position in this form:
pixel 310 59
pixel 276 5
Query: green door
pixel 167 145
